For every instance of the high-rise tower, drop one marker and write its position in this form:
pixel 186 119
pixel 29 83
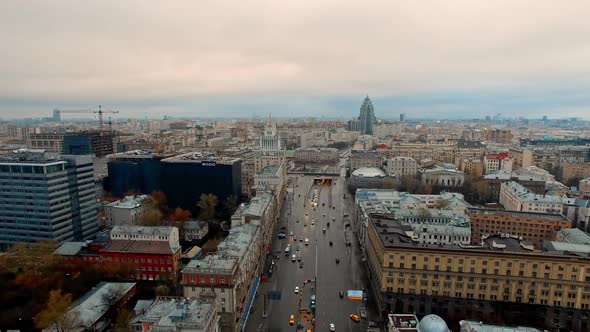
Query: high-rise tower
pixel 364 123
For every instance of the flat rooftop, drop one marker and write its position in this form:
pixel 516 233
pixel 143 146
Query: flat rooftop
pixel 392 235
pixel 403 322
pixel 199 157
pixel 516 214
pixel 173 311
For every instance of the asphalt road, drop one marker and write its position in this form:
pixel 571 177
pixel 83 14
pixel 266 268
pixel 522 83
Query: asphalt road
pixel 318 259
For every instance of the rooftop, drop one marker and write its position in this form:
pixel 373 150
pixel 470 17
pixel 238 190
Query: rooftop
pixel 229 252
pixel 30 156
pixel 471 326
pixel 515 214
pixel 566 247
pixel 198 157
pixel 270 170
pixel 178 311
pixel 129 202
pixel 403 322
pixel 91 306
pixel 573 235
pixel 70 248
pixel 369 172
pixel 527 196
pixel 143 230
pixel 136 154
pixel 139 247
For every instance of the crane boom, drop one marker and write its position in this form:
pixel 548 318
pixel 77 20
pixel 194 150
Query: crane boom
pixel 100 112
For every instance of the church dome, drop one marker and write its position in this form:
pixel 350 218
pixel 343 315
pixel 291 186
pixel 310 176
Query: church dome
pixel 432 323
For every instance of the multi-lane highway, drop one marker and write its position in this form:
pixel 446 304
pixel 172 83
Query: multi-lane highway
pixel 310 209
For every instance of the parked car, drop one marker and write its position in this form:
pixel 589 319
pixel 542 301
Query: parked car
pixel 355 318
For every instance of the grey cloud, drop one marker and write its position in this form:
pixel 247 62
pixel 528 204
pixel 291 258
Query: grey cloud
pixel 154 49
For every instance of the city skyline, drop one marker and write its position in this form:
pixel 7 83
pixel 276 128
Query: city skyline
pixel 302 58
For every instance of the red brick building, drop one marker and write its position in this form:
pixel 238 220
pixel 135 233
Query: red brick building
pixel 148 260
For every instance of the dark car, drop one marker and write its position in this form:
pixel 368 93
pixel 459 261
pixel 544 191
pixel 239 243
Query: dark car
pixel 337 260
pixel 341 294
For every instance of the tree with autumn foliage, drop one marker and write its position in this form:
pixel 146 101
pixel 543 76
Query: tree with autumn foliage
pixel 160 200
pixel 55 314
pixel 177 219
pixel 207 204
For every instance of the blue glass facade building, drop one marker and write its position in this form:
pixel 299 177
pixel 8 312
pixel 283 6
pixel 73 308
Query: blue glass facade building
pixel 182 178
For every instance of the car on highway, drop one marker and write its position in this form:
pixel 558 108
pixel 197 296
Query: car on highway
pixel 306 214
pixel 292 320
pixel 341 294
pixel 300 265
pixel 291 233
pixel 313 222
pixel 299 257
pixel 324 215
pixel 355 318
pixel 282 235
pixel 306 241
pixel 301 239
pixel 293 258
pixel 332 327
pixel 296 289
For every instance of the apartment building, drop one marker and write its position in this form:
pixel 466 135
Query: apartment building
pixel 402 166
pixel 532 287
pixel 470 166
pixel 232 274
pixel 179 314
pixel 494 162
pixel 530 226
pixel 46 197
pixel 575 170
pixel 515 197
pixel 521 157
pixel 360 159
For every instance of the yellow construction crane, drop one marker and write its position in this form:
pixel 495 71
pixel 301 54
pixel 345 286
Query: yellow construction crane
pixel 100 111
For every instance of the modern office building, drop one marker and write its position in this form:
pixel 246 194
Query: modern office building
pixel 138 171
pixel 46 197
pixel 185 177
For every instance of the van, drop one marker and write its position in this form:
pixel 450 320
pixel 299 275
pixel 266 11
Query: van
pixel 293 258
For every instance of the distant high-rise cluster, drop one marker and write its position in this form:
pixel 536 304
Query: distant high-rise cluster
pixel 365 121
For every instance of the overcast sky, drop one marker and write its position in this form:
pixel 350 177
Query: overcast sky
pixel 296 58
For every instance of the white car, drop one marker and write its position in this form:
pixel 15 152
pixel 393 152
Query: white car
pixel 306 241
pixel 324 214
pixel 332 327
pixel 312 222
pixel 296 289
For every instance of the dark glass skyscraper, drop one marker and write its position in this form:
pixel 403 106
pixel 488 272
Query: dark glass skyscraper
pixel 365 121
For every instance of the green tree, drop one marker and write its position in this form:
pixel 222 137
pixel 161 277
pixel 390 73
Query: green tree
pixel 207 204
pixel 55 314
